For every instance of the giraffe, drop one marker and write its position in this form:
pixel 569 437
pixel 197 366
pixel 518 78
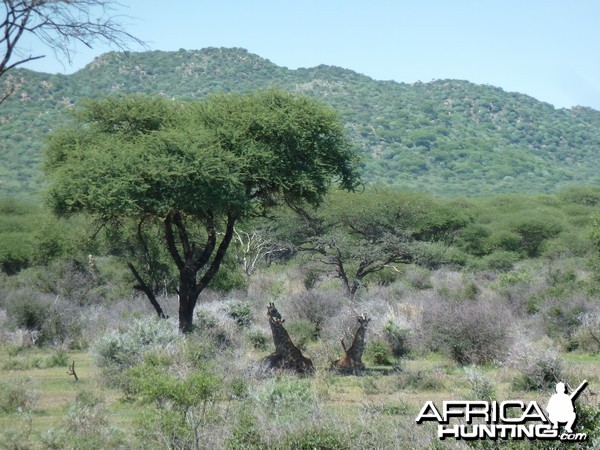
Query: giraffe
pixel 352 360
pixel 286 355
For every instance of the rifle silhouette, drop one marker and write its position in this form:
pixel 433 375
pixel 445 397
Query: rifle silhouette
pixel 577 391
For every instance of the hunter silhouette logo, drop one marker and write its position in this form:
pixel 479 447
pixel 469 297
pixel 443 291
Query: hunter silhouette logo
pixel 511 419
pixel 560 407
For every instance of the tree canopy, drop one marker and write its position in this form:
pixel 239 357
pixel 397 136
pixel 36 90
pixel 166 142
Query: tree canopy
pixel 194 170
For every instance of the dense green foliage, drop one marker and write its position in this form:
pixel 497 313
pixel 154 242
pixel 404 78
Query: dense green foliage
pixel 192 171
pixel 446 136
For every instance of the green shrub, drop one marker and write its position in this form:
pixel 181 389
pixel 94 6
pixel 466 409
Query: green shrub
pixel 500 260
pixel 534 230
pixel 241 312
pixel 398 339
pixel 246 434
pixel 378 351
pixel 316 437
pixel 258 339
pixel 155 384
pixel 60 358
pixel 481 387
pixel 473 239
pixel 286 397
pixel 27 309
pixel 586 196
pixel 302 332
pixel 18 395
pixel 15 252
pixel 200 349
pixel 505 240
pixel 229 277
pixel 182 406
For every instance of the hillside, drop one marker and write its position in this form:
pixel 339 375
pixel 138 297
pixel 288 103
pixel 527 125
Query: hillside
pixel 447 137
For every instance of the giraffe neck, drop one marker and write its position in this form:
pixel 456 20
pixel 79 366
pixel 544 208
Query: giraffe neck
pixel 281 338
pixel 358 345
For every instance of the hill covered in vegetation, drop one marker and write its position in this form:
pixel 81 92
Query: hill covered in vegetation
pixel 446 137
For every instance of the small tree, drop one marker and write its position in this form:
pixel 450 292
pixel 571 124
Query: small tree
pixel 195 170
pixel 58 24
pixel 359 234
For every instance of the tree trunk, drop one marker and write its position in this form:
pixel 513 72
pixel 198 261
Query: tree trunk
pixel 188 296
pixel 186 314
pixel 189 263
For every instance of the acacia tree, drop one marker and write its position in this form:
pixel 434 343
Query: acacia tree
pixel 58 24
pixel 356 235
pixel 195 170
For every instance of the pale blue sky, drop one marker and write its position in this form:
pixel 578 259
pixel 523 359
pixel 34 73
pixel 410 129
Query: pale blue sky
pixel 547 49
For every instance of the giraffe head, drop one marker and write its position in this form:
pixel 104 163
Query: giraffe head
pixel 363 320
pixel 272 312
pixel 277 321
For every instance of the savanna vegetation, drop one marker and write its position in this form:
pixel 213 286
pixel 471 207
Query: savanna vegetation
pixel 493 298
pixel 218 206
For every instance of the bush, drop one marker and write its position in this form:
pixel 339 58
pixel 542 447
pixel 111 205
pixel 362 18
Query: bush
pixel 316 437
pixel 419 279
pixel 534 231
pixel 15 252
pixel 241 312
pixel 538 369
pixel 302 332
pixel 18 395
pixel 246 434
pixel 52 320
pixel 208 327
pixel 587 336
pixel 316 307
pixel 120 350
pixel 286 397
pixel 397 338
pixel 258 339
pixel 500 261
pixel 378 351
pixel 470 332
pixel 182 406
pixel 60 358
pixel 229 277
pixel 481 387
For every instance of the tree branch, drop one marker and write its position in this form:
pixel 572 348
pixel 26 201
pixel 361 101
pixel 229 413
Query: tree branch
pixel 142 286
pixel 60 24
pixel 171 244
pixel 223 246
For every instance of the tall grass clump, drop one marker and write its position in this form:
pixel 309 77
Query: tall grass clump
pixel 85 425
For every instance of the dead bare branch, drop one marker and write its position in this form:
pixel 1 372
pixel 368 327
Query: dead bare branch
pixel 59 25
